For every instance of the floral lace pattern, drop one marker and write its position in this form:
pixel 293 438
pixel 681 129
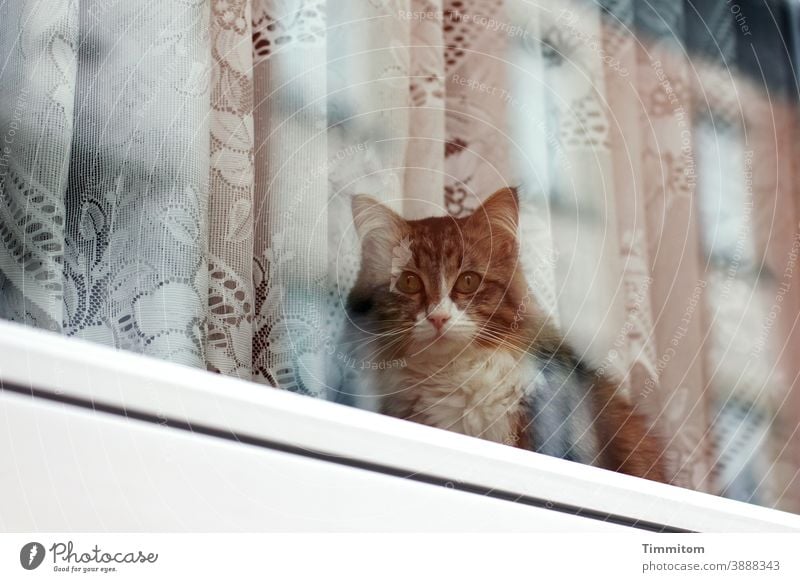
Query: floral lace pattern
pixel 39 44
pixel 476 154
pixel 290 186
pixel 135 273
pixel 230 207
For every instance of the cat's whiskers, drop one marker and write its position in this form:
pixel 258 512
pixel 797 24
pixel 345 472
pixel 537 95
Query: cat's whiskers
pixel 382 332
pixel 372 338
pixel 499 333
pixel 370 349
pixel 383 350
pixel 378 333
pixel 501 340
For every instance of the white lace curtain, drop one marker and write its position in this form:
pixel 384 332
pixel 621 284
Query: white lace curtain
pixel 175 179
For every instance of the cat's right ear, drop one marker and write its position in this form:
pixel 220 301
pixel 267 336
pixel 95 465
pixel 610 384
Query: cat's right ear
pixel 376 222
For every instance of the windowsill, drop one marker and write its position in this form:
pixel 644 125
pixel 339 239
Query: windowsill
pixel 85 374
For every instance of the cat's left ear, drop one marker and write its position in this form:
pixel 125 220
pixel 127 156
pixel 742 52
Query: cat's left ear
pixel 501 211
pixel 374 219
pixel 380 229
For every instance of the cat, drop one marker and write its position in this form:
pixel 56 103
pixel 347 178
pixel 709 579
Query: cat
pixel 440 300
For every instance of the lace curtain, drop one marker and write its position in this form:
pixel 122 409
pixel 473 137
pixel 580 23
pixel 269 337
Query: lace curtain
pixel 175 180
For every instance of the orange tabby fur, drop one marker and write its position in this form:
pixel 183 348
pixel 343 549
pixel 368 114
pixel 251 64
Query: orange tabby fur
pixel 486 243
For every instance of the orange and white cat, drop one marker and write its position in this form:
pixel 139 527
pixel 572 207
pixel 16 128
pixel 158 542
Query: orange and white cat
pixel 442 295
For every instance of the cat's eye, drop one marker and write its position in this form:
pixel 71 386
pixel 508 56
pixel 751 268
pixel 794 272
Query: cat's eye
pixel 408 282
pixel 468 282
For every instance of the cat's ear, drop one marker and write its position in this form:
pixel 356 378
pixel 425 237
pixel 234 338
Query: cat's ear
pixel 380 230
pixel 376 221
pixel 501 211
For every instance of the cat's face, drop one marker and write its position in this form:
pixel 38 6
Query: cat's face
pixel 438 283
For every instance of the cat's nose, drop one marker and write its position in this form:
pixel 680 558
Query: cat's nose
pixel 438 320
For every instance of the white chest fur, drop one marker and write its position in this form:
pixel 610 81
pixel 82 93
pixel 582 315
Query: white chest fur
pixel 477 392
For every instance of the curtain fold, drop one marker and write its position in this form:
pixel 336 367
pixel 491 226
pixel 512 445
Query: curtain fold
pixel 176 177
pixel 289 261
pixel 678 296
pixel 583 203
pixel 476 156
pixel 231 189
pixel 764 338
pixel 634 348
pixel 38 46
pixel 424 163
pixel 135 273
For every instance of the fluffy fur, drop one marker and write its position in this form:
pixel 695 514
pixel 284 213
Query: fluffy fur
pixel 479 360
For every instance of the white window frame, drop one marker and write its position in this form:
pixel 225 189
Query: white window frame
pixel 48 380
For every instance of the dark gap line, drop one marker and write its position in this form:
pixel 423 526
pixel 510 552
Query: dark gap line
pixel 342 460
